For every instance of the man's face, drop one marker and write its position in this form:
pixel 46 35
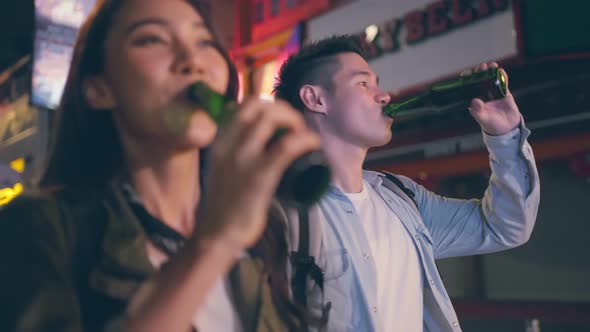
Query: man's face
pixel 354 105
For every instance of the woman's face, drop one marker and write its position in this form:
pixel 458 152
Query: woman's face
pixel 153 52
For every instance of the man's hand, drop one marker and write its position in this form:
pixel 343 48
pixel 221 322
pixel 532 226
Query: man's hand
pixel 496 117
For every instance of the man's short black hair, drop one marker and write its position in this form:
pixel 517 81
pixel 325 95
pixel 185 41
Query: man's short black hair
pixel 316 64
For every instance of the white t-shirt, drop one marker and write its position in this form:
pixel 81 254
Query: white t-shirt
pixel 399 275
pixel 218 312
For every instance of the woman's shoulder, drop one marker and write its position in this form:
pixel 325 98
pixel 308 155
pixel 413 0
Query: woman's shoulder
pixel 49 224
pixel 30 203
pixel 41 245
pixel 42 209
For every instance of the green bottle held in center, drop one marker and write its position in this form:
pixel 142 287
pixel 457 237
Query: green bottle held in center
pixel 306 179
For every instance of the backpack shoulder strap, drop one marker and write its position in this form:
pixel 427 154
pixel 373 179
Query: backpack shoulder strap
pixel 302 262
pixel 411 195
pixel 304 267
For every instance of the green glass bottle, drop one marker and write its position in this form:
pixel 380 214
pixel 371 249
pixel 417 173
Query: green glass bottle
pixel 306 179
pixel 487 85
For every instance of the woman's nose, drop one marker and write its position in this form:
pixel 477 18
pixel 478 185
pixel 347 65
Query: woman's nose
pixel 188 62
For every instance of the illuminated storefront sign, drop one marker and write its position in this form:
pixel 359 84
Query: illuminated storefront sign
pixel 436 18
pixel 413 42
pixel 56 28
pixel 265 76
pixel 259 63
pixel 273 16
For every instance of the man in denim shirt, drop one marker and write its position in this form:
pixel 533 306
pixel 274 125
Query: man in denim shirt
pixel 376 250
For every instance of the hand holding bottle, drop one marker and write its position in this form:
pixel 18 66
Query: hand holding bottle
pixel 485 83
pixel 244 171
pixel 304 181
pixel 496 117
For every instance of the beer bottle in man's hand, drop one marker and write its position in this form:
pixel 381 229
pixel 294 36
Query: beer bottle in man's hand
pixel 487 85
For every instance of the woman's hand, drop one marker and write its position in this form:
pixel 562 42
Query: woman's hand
pixel 244 172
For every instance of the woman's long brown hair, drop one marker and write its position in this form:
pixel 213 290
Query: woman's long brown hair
pixel 84 147
pixel 85 150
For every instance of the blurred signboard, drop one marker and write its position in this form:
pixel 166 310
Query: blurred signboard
pixel 274 16
pixel 259 63
pixel 57 24
pixel 413 42
pixel 17 117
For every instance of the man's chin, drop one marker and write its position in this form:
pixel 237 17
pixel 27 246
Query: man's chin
pixel 380 142
pixel 386 138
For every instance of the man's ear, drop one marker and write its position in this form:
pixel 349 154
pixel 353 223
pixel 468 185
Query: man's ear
pixel 98 94
pixel 314 98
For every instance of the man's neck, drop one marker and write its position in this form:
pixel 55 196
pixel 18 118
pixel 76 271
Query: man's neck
pixel 167 184
pixel 346 161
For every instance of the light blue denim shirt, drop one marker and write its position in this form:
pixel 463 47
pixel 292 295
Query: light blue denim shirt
pixel 445 227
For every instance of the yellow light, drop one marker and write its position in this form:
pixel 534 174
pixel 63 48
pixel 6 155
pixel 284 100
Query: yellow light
pixel 18 165
pixel 8 194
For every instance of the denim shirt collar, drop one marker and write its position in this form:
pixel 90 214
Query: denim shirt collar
pixel 375 179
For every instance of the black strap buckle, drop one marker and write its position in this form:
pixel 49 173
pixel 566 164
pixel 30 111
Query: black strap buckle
pixel 305 265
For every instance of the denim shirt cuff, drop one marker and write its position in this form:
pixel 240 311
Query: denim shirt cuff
pixel 507 145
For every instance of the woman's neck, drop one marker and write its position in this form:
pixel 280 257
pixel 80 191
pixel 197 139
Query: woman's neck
pixel 168 186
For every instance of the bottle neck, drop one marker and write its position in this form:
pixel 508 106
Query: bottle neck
pixel 420 100
pixel 219 108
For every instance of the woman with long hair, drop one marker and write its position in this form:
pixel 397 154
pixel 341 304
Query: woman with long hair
pixel 123 233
